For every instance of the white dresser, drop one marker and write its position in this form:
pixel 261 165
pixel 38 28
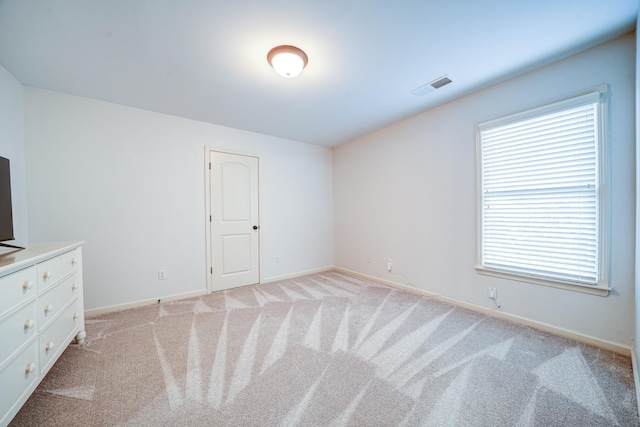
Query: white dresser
pixel 41 312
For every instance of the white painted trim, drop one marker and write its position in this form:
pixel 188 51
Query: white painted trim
pixel 607 345
pixel 207 208
pixel 601 291
pixel 636 375
pixel 207 222
pixel 298 274
pixel 142 303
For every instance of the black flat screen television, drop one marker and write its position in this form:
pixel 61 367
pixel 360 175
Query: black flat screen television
pixel 6 214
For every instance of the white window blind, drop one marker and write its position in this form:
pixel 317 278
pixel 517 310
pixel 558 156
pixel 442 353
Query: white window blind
pixel 540 209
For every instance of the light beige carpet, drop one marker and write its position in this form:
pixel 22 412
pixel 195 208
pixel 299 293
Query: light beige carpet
pixel 327 349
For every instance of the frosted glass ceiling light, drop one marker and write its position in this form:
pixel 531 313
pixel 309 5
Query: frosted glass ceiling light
pixel 288 61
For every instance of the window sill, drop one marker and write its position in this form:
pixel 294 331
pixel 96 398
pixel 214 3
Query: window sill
pixel 576 287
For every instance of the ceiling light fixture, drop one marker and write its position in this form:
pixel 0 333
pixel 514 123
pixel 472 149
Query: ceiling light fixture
pixel 288 61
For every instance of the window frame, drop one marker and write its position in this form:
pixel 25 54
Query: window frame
pixel 602 285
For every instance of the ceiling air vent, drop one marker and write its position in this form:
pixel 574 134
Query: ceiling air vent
pixel 431 86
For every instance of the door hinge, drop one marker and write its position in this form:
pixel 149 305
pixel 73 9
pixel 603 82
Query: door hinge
pixel 209 165
pixel 211 272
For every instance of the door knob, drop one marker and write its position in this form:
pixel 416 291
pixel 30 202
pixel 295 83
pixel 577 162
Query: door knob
pixel 255 227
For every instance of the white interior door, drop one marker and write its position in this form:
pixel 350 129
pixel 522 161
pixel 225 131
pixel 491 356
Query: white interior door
pixel 235 230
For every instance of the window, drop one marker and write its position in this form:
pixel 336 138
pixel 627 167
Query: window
pixel 543 194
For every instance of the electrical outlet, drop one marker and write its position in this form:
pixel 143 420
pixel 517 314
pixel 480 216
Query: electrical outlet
pixel 389 265
pixel 277 260
pixel 162 274
pixel 493 293
pixel 368 260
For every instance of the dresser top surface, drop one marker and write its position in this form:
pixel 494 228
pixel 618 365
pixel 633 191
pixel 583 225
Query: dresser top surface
pixel 13 260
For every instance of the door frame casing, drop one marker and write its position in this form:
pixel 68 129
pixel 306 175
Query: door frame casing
pixel 207 208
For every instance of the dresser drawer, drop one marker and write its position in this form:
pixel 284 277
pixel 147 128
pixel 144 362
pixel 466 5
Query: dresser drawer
pixel 16 330
pixel 32 339
pixel 17 379
pixel 58 335
pixel 55 299
pixel 17 288
pixel 54 269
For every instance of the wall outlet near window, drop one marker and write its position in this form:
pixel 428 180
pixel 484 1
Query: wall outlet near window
pixel 493 293
pixel 162 274
pixel 389 265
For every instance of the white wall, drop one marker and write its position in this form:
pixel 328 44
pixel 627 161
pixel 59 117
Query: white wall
pixel 407 192
pixel 130 183
pixel 12 148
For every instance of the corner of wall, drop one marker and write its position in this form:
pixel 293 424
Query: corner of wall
pixel 636 344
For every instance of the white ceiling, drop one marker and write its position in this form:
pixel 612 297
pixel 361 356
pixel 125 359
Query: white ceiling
pixel 206 59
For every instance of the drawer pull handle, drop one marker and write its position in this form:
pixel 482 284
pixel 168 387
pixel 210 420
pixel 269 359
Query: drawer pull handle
pixel 74 287
pixel 49 346
pixel 48 308
pixel 74 261
pixel 76 316
pixel 29 324
pixel 27 284
pixel 47 275
pixel 31 367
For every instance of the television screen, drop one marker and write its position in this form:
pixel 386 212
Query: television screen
pixel 6 216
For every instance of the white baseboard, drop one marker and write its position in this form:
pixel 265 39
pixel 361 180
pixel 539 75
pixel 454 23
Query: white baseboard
pixel 142 303
pixel 596 342
pixel 298 274
pixel 607 345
